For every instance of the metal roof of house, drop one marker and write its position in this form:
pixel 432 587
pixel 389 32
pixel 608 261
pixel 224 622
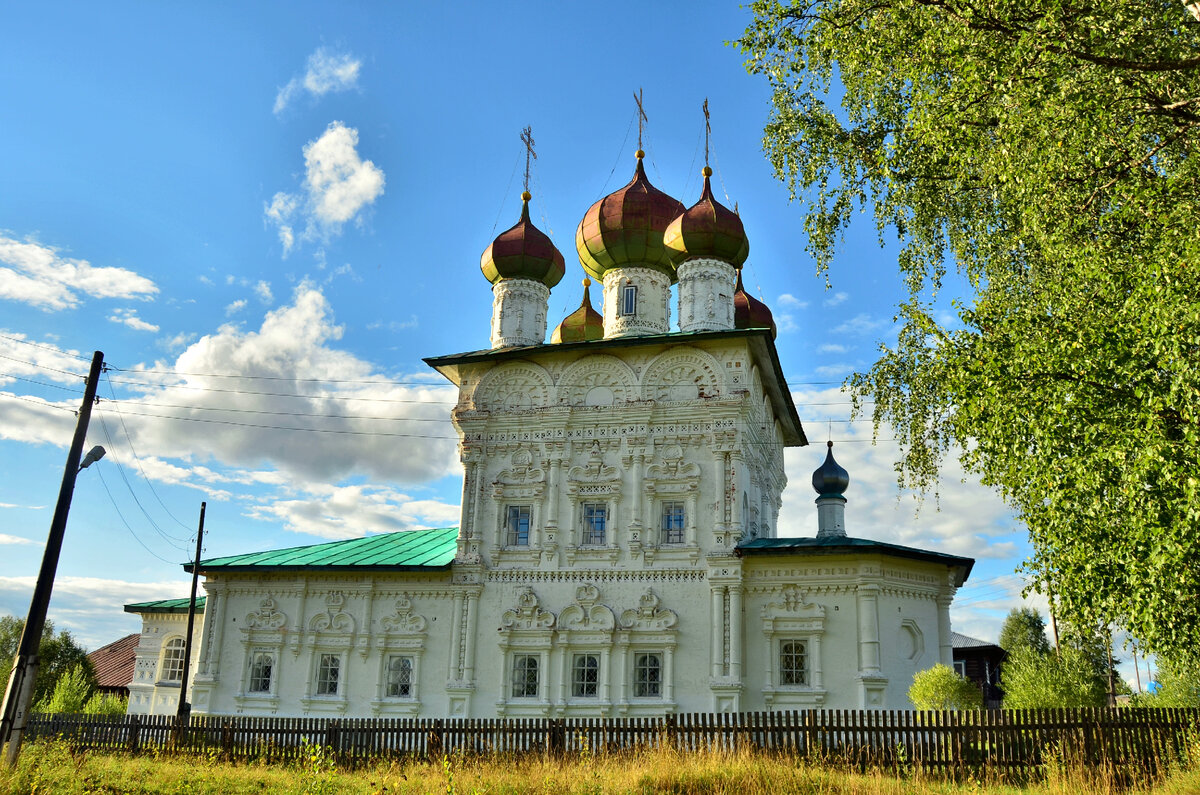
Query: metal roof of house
pixel 113 664
pixel 841 545
pixel 407 550
pixel 961 641
pixel 165 606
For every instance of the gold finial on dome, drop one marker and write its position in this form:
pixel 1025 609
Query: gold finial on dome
pixel 587 282
pixel 526 195
pixel 639 154
pixel 706 171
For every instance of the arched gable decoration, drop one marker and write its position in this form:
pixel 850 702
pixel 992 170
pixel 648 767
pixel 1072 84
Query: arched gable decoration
pixel 683 374
pixel 597 381
pixel 513 386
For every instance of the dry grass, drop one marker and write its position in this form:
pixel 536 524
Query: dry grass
pixel 53 767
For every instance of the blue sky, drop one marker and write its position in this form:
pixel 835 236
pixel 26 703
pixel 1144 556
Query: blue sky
pixel 266 214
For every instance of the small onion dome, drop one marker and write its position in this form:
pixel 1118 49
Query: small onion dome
pixel 830 479
pixel 581 325
pixel 523 252
pixel 626 227
pixel 749 312
pixel 707 229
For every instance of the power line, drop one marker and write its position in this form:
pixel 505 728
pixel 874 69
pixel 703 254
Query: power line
pixel 44 347
pixel 42 403
pixel 80 376
pixel 41 383
pixel 100 472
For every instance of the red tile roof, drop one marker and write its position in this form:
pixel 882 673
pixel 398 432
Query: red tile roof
pixel 114 663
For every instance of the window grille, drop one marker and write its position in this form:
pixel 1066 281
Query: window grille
pixel 793 659
pixel 172 661
pixel 647 676
pixel 525 676
pixel 585 676
pixel 400 678
pixel 517 526
pixel 672 522
pixel 262 665
pixel 328 674
pixel 595 523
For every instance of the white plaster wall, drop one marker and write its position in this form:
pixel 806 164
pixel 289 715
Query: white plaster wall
pixel 519 312
pixel 147 696
pixel 706 288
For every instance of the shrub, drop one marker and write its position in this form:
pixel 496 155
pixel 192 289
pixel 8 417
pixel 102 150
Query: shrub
pixel 71 693
pixel 106 704
pixel 940 687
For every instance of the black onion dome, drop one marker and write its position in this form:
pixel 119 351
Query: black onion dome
pixel 830 479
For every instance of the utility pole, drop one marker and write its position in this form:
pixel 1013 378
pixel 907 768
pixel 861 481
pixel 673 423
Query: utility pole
pixel 184 710
pixel 25 667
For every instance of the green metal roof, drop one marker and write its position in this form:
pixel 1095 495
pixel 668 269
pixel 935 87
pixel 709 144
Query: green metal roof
pixel 165 606
pixel 840 545
pixel 407 550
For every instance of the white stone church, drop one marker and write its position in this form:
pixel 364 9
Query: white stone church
pixel 617 551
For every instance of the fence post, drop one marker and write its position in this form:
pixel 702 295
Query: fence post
pixel 227 738
pixel 135 730
pixel 435 746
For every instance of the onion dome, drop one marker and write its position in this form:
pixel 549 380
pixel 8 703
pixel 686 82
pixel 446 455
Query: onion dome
pixel 581 325
pixel 523 252
pixel 749 312
pixel 830 480
pixel 626 228
pixel 707 229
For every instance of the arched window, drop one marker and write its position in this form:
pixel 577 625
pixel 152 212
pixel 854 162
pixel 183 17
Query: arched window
pixel 171 667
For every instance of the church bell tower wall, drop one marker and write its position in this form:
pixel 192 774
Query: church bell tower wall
pixel 519 312
pixel 636 302
pixel 706 288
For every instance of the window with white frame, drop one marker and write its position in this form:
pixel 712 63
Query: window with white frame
pixel 960 668
pixel 171 669
pixel 595 523
pixel 628 300
pixel 400 676
pixel 585 676
pixel 672 522
pixel 516 526
pixel 262 668
pixel 793 662
pixel 525 676
pixel 647 675
pixel 329 674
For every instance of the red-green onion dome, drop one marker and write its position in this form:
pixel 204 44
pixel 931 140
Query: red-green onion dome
pixel 523 252
pixel 581 325
pixel 749 312
pixel 625 228
pixel 707 229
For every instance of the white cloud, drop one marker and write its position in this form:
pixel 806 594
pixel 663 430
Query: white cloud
pixel 861 325
pixel 787 299
pixel 838 370
pixel 38 275
pixel 235 307
pixel 44 362
pixel 5 538
pixel 338 185
pixel 353 511
pixel 964 518
pixel 128 317
pixel 263 291
pixel 786 323
pixel 835 299
pixel 833 348
pixel 325 72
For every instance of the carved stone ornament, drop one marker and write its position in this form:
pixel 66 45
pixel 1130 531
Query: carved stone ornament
pixel 403 621
pixel 649 614
pixel 670 465
pixel 524 470
pixel 266 616
pixel 334 619
pixel 792 605
pixel 528 614
pixel 586 615
pixel 595 470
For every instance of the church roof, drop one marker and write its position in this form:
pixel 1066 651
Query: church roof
pixel 406 550
pixel 165 606
pixel 761 342
pixel 842 545
pixel 113 664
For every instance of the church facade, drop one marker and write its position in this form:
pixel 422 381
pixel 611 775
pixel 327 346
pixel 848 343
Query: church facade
pixel 617 552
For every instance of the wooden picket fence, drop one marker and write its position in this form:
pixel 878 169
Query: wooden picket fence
pixel 1016 741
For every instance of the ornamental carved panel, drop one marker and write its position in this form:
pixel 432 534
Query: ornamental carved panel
pixel 683 374
pixel 597 381
pixel 513 387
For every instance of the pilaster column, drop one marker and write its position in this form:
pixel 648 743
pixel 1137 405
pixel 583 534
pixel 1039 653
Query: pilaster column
pixel 553 493
pixel 868 628
pixel 818 679
pixel 718 631
pixel 472 640
pixel 454 672
pixel 735 631
pixel 945 642
pixel 635 521
pixel 212 619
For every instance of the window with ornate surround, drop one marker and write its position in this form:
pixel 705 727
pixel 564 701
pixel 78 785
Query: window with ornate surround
pixel 516 525
pixel 672 484
pixel 517 494
pixel 646 639
pixel 594 527
pixel 629 294
pixel 792 630
pixel 672 526
pixel 263 644
pixel 329 676
pixel 585 637
pixel 400 645
pixel 594 491
pixel 526 638
pixel 170 666
pixel 330 638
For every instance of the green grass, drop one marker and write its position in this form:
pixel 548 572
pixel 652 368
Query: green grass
pixel 53 767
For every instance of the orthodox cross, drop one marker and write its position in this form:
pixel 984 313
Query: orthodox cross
pixel 642 118
pixel 527 139
pixel 707 130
